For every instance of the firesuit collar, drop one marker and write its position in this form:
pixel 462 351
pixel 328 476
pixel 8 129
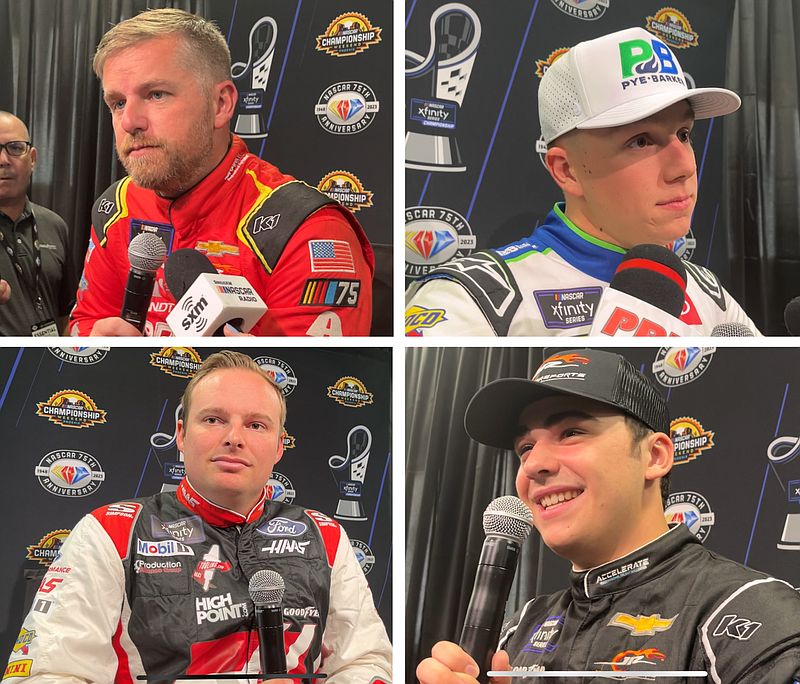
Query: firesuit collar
pixel 210 192
pixel 580 250
pixel 641 566
pixel 213 514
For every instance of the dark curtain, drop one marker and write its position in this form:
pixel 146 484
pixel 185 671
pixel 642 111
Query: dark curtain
pixel 449 482
pixel 46 79
pixel 763 155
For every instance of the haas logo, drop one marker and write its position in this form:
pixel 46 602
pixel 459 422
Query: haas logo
pixel 194 319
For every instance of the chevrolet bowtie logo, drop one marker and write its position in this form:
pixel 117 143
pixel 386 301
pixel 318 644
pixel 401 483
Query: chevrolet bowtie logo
pixel 214 248
pixel 642 625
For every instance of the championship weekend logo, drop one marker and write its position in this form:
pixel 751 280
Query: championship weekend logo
pixel 542 65
pixel 350 391
pixel 348 34
pixel 48 547
pixel 288 440
pixel 81 356
pixel 673 28
pixel 346 189
pixel 692 509
pixel 689 439
pixel 70 473
pixel 363 554
pixel 281 372
pixel 589 10
pixel 346 107
pixel 435 235
pixel 180 362
pixel 676 366
pixel 71 408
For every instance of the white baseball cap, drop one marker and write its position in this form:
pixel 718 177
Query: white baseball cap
pixel 618 79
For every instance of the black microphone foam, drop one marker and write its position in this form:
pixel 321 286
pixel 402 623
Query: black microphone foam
pixel 146 253
pixel 266 590
pixel 791 316
pixel 506 522
pixel 183 267
pixel 654 274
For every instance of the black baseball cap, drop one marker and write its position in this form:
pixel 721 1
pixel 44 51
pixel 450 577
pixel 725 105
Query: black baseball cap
pixel 492 417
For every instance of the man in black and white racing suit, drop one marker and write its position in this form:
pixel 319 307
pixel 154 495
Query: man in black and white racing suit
pixel 617 118
pixel 159 585
pixel 594 470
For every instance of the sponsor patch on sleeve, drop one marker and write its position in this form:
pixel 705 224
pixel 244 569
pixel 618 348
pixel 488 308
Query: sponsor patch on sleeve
pixel 327 292
pixel 419 318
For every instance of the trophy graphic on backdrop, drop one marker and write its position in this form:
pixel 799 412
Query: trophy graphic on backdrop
pixel 174 471
pixel 251 79
pixel 435 88
pixel 359 441
pixel 783 450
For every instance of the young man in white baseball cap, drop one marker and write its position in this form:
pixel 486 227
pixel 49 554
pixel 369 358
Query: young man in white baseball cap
pixel 617 117
pixel 591 434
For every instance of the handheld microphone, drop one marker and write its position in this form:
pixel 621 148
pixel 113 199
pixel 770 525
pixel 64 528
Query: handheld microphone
pixel 206 299
pixel 146 254
pixel 266 590
pixel 731 329
pixel 791 316
pixel 506 522
pixel 645 298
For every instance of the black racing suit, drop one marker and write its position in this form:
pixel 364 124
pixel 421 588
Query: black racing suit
pixel 671 605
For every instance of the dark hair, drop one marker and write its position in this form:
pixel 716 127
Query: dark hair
pixel 638 432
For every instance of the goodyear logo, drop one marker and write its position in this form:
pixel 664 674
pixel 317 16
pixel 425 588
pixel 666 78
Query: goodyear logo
pixel 26 636
pixel 642 625
pixel 48 547
pixel 180 362
pixel 542 65
pixel 346 188
pixel 18 668
pixel 347 35
pixel 672 27
pixel 71 408
pixel 350 391
pixel 689 439
pixel 419 318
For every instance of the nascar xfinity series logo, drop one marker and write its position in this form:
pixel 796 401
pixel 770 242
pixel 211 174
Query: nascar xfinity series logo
pixel 180 362
pixel 70 473
pixel 544 637
pixel 346 108
pixel 71 408
pixel 435 235
pixel 348 34
pixel 676 366
pixel 672 27
pixel 346 189
pixel 281 373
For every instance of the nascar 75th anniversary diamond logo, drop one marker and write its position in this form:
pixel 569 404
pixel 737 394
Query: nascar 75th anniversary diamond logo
pixel 350 391
pixel 678 366
pixel 70 473
pixel 71 408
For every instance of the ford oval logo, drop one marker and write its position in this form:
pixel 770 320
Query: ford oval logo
pixel 281 527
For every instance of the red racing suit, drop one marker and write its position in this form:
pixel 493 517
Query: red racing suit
pixel 305 255
pixel 158 586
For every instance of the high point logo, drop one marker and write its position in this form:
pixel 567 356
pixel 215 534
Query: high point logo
pixel 71 408
pixel 347 35
pixel 180 362
pixel 644 61
pixel 672 27
pixel 346 188
pixel 350 391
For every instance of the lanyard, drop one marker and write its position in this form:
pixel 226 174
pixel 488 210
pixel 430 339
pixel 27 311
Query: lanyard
pixel 9 247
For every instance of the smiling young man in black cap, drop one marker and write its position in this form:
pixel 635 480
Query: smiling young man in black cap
pixel 591 434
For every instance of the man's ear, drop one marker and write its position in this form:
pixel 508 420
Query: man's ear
pixel 561 169
pixel 179 435
pixel 660 455
pixel 225 96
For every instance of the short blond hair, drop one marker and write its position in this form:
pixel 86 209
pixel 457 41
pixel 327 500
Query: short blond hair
pixel 226 359
pixel 202 47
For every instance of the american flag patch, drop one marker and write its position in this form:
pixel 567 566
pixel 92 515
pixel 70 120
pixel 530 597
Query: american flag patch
pixel 331 255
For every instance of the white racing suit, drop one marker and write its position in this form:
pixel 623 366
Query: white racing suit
pixel 159 586
pixel 549 284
